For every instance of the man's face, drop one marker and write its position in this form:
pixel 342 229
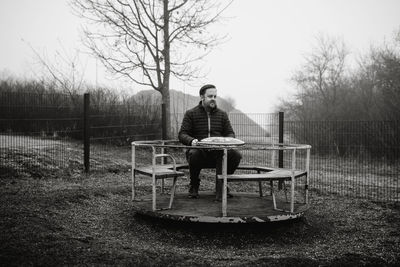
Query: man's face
pixel 209 98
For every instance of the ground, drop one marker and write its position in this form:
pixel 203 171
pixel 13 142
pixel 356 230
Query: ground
pixel 59 216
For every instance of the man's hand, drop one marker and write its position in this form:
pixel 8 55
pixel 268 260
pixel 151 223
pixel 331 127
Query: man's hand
pixel 194 142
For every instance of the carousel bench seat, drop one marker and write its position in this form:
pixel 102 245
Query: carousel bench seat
pixel 275 174
pixel 181 166
pixel 268 174
pixel 157 172
pixel 160 171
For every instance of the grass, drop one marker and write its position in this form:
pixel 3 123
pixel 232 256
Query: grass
pixel 61 216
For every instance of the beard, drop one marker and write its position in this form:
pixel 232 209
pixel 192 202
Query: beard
pixel 211 105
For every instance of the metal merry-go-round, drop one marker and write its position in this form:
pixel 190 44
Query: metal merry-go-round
pixel 244 207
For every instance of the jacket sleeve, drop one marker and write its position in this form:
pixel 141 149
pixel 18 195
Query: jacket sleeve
pixel 227 127
pixel 185 133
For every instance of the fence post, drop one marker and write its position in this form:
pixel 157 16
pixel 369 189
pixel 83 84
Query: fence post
pixel 280 155
pixel 86 132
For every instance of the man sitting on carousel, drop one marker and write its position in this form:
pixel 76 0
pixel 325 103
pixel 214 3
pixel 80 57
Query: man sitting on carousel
pixel 207 120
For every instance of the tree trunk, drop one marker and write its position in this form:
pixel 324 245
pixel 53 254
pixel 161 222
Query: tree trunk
pixel 165 88
pixel 166 114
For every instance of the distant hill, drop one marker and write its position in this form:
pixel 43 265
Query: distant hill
pixel 180 102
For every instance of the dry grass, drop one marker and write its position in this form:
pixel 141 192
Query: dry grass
pixel 60 216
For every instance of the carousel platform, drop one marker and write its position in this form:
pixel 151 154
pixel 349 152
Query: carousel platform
pixel 242 208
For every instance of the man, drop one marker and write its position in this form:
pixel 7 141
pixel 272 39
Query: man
pixel 206 120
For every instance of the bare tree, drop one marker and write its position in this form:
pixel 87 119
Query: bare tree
pixel 386 65
pixel 65 70
pixel 320 81
pixel 377 81
pixel 148 40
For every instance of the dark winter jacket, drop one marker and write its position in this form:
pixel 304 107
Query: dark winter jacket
pixel 197 124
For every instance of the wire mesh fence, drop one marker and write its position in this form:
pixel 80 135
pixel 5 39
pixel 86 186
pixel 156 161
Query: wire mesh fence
pixel 33 131
pixel 114 126
pixel 354 158
pixel 45 132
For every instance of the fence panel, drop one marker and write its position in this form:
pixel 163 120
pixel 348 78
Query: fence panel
pixel 114 126
pixel 353 158
pixel 33 128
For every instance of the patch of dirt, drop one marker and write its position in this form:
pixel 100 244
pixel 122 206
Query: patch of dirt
pixel 61 216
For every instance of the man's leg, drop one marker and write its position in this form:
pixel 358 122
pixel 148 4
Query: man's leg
pixel 196 159
pixel 234 157
pixel 233 160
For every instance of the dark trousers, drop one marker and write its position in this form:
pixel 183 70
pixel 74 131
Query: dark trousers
pixel 203 158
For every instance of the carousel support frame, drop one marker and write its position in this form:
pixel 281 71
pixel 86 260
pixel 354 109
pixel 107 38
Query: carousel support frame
pixel 264 173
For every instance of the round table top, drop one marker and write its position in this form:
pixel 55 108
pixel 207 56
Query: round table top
pixel 220 141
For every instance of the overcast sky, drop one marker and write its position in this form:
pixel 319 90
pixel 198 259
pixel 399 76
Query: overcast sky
pixel 268 40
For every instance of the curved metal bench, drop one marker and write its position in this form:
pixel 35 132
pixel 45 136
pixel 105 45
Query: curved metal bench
pixel 271 174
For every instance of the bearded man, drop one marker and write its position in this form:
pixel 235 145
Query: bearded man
pixel 206 120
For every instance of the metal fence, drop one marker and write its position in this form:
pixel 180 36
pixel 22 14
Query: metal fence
pixel 354 158
pixel 34 129
pixel 46 132
pixel 112 127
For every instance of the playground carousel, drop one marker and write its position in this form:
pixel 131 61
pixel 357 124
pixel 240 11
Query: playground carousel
pixel 271 189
